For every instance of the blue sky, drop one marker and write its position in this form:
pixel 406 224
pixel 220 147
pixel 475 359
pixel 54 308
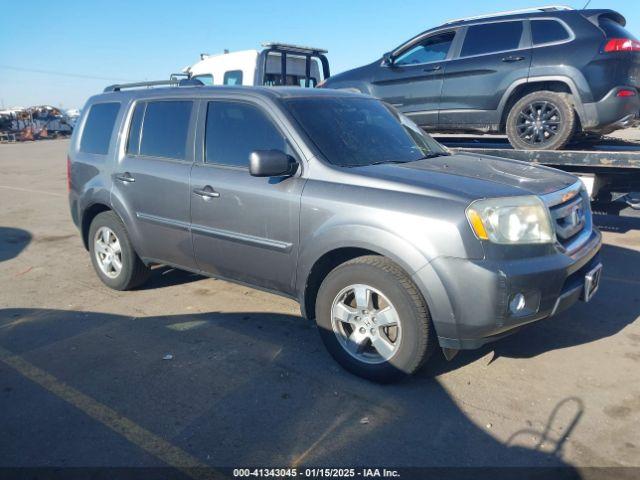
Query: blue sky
pixel 115 40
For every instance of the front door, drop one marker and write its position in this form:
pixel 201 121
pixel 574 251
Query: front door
pixel 413 82
pixel 244 228
pixel 151 180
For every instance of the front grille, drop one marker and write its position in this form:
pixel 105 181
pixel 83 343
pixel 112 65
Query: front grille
pixel 571 217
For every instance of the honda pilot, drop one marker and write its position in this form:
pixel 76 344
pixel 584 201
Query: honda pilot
pixel 392 244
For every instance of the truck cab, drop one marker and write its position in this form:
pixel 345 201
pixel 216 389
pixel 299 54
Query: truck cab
pixel 277 64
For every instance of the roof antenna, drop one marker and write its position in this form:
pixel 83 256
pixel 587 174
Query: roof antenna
pixel 586 5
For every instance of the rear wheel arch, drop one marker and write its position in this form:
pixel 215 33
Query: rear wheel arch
pixel 518 91
pixel 88 215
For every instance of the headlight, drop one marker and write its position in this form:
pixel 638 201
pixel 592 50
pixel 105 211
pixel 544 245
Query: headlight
pixel 511 220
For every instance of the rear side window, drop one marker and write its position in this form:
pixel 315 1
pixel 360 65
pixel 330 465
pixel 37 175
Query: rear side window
pixel 613 29
pixel 234 130
pixel 98 128
pixel 491 38
pixel 233 77
pixel 133 142
pixel 431 50
pixel 548 31
pixel 165 128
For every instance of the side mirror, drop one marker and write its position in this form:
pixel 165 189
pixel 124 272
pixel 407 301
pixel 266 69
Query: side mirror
pixel 387 59
pixel 271 163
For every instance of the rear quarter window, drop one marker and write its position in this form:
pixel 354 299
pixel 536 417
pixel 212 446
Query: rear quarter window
pixel 492 38
pixel 548 31
pixel 98 128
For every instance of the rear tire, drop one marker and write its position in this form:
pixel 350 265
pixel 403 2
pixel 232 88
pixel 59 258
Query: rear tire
pixel 393 339
pixel 542 120
pixel 112 255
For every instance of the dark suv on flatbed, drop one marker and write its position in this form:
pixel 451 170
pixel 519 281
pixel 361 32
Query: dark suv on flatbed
pixel 392 244
pixel 538 75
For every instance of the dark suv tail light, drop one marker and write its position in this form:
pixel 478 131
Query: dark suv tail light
pixel 68 174
pixel 626 92
pixel 622 45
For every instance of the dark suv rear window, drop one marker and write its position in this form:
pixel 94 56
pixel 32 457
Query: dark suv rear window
pixel 98 128
pixel 165 128
pixel 491 37
pixel 548 31
pixel 613 29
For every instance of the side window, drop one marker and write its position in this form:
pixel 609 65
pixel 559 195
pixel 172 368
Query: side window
pixel 491 38
pixel 235 129
pixel 431 50
pixel 233 77
pixel 98 128
pixel 165 129
pixel 133 141
pixel 548 31
pixel 206 79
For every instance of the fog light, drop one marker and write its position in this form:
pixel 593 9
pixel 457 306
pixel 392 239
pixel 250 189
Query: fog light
pixel 517 303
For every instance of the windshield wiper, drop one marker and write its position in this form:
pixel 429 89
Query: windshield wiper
pixel 434 155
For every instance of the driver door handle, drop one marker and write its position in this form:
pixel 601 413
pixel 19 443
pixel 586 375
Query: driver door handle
pixel 207 192
pixel 432 69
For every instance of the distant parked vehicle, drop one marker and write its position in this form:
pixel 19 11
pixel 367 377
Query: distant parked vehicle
pixel 392 244
pixel 277 64
pixel 540 75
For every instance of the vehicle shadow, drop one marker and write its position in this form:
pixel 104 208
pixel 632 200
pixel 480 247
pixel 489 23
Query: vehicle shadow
pixel 12 242
pixel 259 389
pixel 612 223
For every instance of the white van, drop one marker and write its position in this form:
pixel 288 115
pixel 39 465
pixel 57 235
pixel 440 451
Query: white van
pixel 275 65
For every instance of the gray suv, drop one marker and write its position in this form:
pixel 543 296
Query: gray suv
pixel 392 244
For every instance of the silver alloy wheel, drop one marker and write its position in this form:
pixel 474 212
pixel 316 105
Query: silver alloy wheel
pixel 366 324
pixel 108 252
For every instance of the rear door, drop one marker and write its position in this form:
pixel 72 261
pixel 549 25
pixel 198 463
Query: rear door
pixel 413 82
pixel 244 228
pixel 151 180
pixel 492 56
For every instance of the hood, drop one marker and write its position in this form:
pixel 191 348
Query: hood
pixel 472 176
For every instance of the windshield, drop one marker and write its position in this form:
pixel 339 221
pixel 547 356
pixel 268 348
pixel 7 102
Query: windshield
pixel 353 132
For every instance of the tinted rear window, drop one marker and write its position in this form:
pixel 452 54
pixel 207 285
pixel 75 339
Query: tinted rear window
pixel 98 128
pixel 235 129
pixel 548 31
pixel 492 37
pixel 165 128
pixel 614 29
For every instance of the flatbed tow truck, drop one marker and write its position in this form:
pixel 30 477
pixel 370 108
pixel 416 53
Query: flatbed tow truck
pixel 609 167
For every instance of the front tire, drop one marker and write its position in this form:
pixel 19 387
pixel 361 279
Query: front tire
pixel 541 120
pixel 112 255
pixel 373 319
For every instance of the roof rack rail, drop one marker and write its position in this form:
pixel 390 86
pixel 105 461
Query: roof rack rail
pixel 172 81
pixel 548 8
pixel 288 47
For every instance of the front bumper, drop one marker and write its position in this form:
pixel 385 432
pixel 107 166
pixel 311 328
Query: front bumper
pixel 469 299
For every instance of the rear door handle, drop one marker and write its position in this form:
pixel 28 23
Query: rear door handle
pixel 207 192
pixel 125 177
pixel 512 58
pixel 432 69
